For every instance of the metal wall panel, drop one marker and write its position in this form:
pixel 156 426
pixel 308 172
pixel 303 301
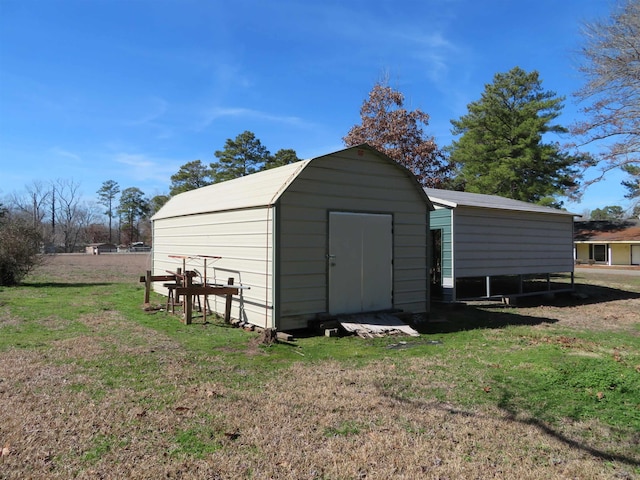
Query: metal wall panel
pixel 497 242
pixel 244 241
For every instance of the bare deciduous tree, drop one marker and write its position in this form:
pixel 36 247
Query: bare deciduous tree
pixel 72 216
pixel 33 202
pixel 611 64
pixel 397 132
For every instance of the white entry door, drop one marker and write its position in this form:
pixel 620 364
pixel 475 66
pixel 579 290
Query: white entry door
pixel 360 262
pixel 635 254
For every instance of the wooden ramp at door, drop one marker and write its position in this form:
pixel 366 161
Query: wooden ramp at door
pixel 375 325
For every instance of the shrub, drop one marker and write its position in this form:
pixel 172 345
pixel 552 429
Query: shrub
pixel 19 249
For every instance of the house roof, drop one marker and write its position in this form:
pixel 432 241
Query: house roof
pixel 607 231
pixel 255 190
pixel 453 199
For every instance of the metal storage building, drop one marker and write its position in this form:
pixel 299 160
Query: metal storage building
pixel 342 233
pixel 487 236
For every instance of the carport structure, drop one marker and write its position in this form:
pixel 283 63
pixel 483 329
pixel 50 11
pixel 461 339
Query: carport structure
pixel 486 238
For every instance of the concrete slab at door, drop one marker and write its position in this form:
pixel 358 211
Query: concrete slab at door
pixel 360 262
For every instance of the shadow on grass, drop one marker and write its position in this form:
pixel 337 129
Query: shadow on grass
pixel 462 317
pixel 512 417
pixel 552 294
pixel 544 427
pixel 447 318
pixel 589 294
pixel 65 284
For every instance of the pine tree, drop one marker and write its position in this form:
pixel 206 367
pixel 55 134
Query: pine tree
pixel 503 148
pixel 191 175
pixel 106 197
pixel 243 156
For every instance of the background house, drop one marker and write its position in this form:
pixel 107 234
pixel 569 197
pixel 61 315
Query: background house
pixel 97 248
pixel 476 239
pixel 341 233
pixel 607 242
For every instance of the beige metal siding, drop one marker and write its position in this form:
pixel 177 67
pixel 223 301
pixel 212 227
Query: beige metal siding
pixel 242 238
pixel 498 242
pixel 348 182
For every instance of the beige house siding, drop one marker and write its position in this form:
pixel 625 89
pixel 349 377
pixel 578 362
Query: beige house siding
pixel 617 253
pixel 619 240
pixel 620 254
pixel 495 242
pixel 582 252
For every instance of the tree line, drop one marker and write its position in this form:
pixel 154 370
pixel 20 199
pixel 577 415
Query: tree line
pixel 508 144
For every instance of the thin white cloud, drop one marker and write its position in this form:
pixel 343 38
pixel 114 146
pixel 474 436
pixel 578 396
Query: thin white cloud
pixel 216 113
pixel 134 160
pixel 434 51
pixel 152 118
pixel 61 152
pixel 157 109
pixel 141 167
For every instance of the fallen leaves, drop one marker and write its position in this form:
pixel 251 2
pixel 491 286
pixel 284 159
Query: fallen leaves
pixel 616 356
pixel 214 394
pixel 6 450
pixel 232 435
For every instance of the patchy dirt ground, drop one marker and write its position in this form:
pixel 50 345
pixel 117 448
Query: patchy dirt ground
pixel 317 421
pixel 108 267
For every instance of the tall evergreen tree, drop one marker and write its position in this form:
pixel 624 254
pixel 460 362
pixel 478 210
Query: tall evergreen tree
pixel 243 156
pixel 503 148
pixel 282 157
pixel 191 175
pixel 106 197
pixel 610 212
pixel 133 206
pixel 157 202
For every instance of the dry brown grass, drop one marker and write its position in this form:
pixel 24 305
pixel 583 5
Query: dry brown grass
pixel 313 421
pixel 109 267
pixel 317 421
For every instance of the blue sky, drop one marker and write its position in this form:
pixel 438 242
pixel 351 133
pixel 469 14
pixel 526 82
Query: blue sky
pixel 130 90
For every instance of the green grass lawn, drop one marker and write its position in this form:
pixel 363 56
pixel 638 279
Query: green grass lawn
pixel 544 367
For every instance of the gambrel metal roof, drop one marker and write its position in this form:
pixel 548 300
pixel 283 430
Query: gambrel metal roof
pixel 256 190
pixel 453 199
